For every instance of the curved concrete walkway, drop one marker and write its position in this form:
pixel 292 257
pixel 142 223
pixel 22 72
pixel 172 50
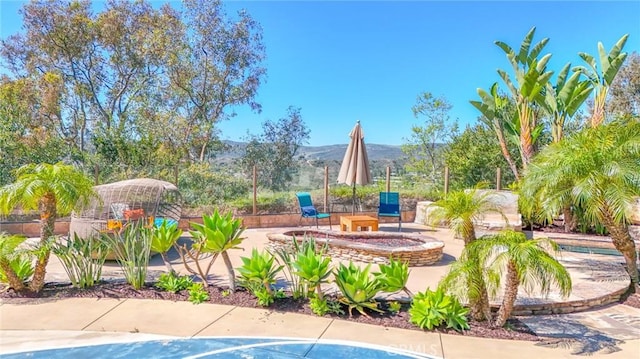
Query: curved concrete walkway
pixel 611 331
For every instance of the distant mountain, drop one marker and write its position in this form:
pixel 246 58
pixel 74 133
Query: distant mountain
pixel 324 153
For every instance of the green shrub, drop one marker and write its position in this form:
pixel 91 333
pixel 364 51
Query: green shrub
pixel 171 282
pixel 132 247
pixel 82 259
pixel 19 262
pixel 394 307
pixel 258 274
pixel 393 277
pixel 163 238
pixel 312 267
pixel 322 306
pixel 357 287
pixel 432 309
pixel 197 293
pixel 203 185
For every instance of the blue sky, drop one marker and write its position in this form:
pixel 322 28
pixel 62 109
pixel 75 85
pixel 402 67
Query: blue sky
pixel 353 60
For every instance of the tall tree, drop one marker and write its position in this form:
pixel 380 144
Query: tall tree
pixel 597 169
pixel 531 77
pixel 54 190
pixel 624 95
pixel 602 80
pixel 425 146
pixel 498 113
pixel 215 64
pixel 563 100
pixel 274 151
pixel 473 156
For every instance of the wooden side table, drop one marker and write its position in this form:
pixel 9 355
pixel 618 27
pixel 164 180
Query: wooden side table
pixel 351 223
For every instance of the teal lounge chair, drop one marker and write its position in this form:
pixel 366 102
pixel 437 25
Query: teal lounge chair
pixel 307 210
pixel 390 207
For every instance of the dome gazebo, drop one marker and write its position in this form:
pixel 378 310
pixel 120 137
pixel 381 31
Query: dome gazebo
pixel 136 199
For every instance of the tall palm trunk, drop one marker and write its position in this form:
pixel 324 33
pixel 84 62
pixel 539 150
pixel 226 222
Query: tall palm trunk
pixel 526 141
pixel 47 226
pixel 507 156
pixel 597 118
pixel 510 295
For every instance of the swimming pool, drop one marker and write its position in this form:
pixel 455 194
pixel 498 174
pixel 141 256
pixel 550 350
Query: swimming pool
pixel 225 347
pixel 590 250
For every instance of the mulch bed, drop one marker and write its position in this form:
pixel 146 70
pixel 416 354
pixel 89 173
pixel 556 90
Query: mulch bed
pixel 117 290
pixel 514 329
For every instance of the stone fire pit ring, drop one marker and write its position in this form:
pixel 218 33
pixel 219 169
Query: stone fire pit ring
pixel 369 247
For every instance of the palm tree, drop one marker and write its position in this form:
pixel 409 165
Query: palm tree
pixel 460 209
pixel 496 113
pixel 609 66
pixel 597 169
pixel 531 77
pixel 52 189
pixel 526 262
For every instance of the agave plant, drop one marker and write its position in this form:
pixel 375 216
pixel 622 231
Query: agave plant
pixel 259 269
pixel 357 287
pixel 393 277
pixel 314 268
pixel 431 309
pixel 216 235
pixel 163 238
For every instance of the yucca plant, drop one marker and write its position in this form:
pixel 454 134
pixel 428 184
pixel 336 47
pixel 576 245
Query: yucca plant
pixel 314 268
pixel 16 266
pixel 357 287
pixel 431 309
pixel 217 234
pixel 286 257
pixel 259 270
pixel 82 259
pixel 393 277
pixel 132 247
pixel 163 238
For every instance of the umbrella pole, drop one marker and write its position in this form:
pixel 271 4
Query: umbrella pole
pixel 353 208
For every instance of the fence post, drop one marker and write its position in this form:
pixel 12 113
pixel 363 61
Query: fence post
pixel 388 178
pixel 255 190
pixel 96 174
pixel 175 175
pixel 498 179
pixel 446 180
pixel 326 189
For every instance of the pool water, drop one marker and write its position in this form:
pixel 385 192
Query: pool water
pixel 590 250
pixel 224 347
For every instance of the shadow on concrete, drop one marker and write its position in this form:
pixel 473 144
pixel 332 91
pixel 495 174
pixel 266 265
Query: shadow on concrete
pixel 563 332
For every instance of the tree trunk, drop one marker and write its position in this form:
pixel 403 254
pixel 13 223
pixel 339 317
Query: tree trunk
pixel 507 156
pixel 624 243
pixel 47 224
pixel 526 141
pixel 232 274
pixel 569 219
pixel 468 232
pixel 167 263
pixel 597 118
pixel 12 277
pixel 480 306
pixel 510 295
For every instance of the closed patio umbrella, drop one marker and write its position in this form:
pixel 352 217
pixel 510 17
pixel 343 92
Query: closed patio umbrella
pixel 355 164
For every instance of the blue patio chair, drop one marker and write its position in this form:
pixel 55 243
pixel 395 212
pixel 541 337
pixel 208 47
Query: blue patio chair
pixel 390 206
pixel 307 210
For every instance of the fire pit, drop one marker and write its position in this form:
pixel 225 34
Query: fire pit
pixel 370 247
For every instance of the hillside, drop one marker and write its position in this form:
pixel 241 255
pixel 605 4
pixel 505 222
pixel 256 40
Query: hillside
pixel 375 152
